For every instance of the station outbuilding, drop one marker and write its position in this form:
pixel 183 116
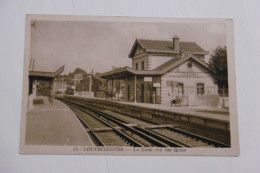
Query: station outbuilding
pixel 163 71
pixel 41 84
pixel 43 81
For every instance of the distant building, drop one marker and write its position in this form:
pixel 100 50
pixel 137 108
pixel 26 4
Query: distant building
pixel 166 70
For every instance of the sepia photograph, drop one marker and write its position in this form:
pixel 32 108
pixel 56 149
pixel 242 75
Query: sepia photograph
pixel 129 86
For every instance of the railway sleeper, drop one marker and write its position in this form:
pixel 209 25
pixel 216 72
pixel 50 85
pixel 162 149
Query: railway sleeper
pixel 204 139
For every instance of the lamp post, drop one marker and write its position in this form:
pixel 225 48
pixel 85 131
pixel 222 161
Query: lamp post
pixel 75 84
pixel 62 85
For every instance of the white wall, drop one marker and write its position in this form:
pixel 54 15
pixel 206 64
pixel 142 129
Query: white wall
pixel 155 61
pixel 139 61
pixel 189 77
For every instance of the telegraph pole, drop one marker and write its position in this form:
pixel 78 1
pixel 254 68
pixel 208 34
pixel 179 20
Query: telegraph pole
pixel 74 85
pixel 62 85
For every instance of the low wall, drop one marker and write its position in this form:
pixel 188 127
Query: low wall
pixel 224 102
pixel 207 127
pixel 84 94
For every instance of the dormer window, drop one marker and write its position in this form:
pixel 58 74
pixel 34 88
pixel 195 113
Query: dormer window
pixel 142 65
pixel 136 66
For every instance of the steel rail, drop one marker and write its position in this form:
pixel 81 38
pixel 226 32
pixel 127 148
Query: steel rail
pixel 119 112
pixel 152 135
pixel 158 140
pixel 93 136
pixel 204 139
pixel 131 141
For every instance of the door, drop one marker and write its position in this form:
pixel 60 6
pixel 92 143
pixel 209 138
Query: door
pixel 142 93
pixel 149 93
pixel 128 92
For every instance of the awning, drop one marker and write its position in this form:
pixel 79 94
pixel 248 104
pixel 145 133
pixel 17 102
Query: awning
pixel 121 73
pixel 46 74
pixel 160 70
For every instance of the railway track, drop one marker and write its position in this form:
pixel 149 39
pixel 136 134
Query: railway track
pixel 131 131
pixel 101 132
pixel 140 138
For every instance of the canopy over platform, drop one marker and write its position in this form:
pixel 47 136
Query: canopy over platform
pixel 126 72
pixel 42 74
pixel 160 70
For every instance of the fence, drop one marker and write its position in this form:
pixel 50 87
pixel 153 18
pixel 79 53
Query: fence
pixel 223 92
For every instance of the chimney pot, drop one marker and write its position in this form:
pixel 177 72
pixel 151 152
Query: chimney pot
pixel 176 43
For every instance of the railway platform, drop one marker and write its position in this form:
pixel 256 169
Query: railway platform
pixel 51 122
pixel 221 114
pixel 214 113
pixel 140 118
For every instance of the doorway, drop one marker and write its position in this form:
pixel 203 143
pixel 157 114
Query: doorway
pixel 142 93
pixel 128 92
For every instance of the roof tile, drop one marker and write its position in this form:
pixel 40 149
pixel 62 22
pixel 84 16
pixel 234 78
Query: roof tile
pixel 168 45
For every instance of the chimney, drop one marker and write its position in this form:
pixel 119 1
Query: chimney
pixel 176 43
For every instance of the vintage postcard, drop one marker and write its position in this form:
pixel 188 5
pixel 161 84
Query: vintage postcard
pixel 129 86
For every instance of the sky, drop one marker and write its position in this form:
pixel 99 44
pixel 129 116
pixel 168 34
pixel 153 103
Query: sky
pixel 101 45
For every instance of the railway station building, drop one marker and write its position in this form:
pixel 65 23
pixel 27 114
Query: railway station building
pixel 163 71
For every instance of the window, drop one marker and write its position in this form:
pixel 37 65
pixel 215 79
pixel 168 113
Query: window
pixel 180 88
pixel 136 66
pixel 200 88
pixel 128 92
pixel 142 65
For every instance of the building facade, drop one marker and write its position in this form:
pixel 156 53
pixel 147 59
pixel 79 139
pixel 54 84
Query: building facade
pixel 163 71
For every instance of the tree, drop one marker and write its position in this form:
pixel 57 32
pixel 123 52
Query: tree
pixel 218 64
pixel 96 84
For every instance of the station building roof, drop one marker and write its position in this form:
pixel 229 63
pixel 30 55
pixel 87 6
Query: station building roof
pixel 164 46
pixel 160 70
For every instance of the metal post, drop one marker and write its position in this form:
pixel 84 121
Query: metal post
pixel 62 86
pixel 34 88
pixel 160 90
pixel 135 88
pixel 74 85
pixel 53 88
pixel 223 91
pixel 223 97
pixel 54 85
pixel 172 89
pixel 118 90
pixel 49 83
pixel 90 83
pixel 126 90
pixel 112 90
pixel 106 88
